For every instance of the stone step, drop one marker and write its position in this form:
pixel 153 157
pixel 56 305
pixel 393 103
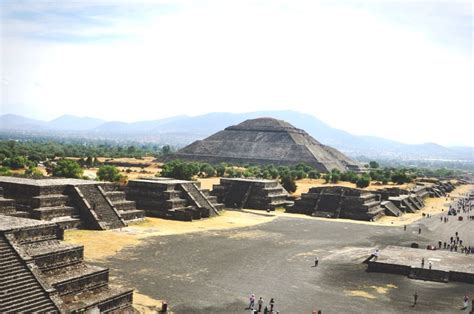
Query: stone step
pixel 20 280
pixel 68 222
pixel 132 214
pixel 73 279
pixel 115 195
pixel 371 204
pixel 40 233
pixel 56 255
pixel 20 214
pixel 25 291
pixel 125 205
pixel 48 213
pixel 17 299
pixel 28 305
pixel 107 299
pixel 49 200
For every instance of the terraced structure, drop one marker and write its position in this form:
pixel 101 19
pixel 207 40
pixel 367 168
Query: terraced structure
pixel 172 199
pixel 251 193
pixel 266 141
pixel 71 203
pixel 39 273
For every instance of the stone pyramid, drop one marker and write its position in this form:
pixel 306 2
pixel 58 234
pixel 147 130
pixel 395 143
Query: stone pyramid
pixel 266 141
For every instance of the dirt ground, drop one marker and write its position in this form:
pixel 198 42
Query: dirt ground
pixel 207 183
pixel 99 245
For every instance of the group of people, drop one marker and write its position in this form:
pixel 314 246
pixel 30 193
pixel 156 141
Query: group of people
pixel 257 306
pixel 456 244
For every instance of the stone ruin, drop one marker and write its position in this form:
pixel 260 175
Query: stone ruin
pixel 39 273
pixel 436 187
pixel 251 193
pixel 172 199
pixel 266 141
pixel 71 203
pixel 339 202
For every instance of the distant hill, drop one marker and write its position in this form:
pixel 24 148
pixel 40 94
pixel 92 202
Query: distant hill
pixel 182 130
pixel 16 122
pixel 72 123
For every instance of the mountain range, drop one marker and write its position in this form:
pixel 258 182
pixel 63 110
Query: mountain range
pixel 182 130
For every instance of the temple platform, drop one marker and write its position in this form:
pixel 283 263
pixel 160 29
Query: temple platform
pixel 445 265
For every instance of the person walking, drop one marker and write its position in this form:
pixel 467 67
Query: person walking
pixel 272 304
pixel 423 262
pixel 316 262
pixel 252 301
pixel 415 298
pixel 260 304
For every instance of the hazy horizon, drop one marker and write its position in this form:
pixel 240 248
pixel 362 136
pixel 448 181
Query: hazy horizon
pixel 398 70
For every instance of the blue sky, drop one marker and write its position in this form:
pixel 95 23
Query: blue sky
pixel 362 66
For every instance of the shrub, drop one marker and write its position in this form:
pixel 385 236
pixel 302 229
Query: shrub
pixel 314 174
pixel 288 183
pixel 109 173
pixel 363 181
pixel 67 168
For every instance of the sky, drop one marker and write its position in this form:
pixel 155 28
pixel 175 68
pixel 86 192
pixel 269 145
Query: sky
pixel 396 69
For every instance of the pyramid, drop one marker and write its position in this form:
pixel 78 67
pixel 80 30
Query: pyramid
pixel 264 141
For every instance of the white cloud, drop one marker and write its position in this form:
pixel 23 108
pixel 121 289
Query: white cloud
pixel 342 64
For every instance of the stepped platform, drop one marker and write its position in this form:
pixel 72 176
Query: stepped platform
pixel 251 193
pixel 171 199
pixel 39 273
pixel 339 202
pixel 71 203
pixel 446 266
pixel 391 209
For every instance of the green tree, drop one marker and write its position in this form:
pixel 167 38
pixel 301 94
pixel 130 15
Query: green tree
pixel 363 181
pixel 220 170
pixel 109 173
pixel 207 170
pixel 400 177
pixel 288 183
pixel 17 162
pixel 373 165
pixel 166 150
pixel 67 168
pixel 180 170
pixel 4 171
pixel 314 174
pixel 335 177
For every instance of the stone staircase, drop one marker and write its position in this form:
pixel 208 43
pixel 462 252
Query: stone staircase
pixel 96 202
pixel 20 291
pixel 72 285
pixel 250 193
pixel 391 209
pixel 339 202
pixel 126 208
pixel 172 199
pixel 195 195
pixel 8 207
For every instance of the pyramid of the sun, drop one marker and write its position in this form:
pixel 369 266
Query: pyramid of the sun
pixel 266 141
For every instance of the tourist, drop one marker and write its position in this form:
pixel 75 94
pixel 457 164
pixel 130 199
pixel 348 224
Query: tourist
pixel 430 265
pixel 405 227
pixel 252 301
pixel 466 301
pixel 415 298
pixel 422 262
pixel 316 262
pixel 265 310
pixel 419 230
pixel 260 304
pixel 272 304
